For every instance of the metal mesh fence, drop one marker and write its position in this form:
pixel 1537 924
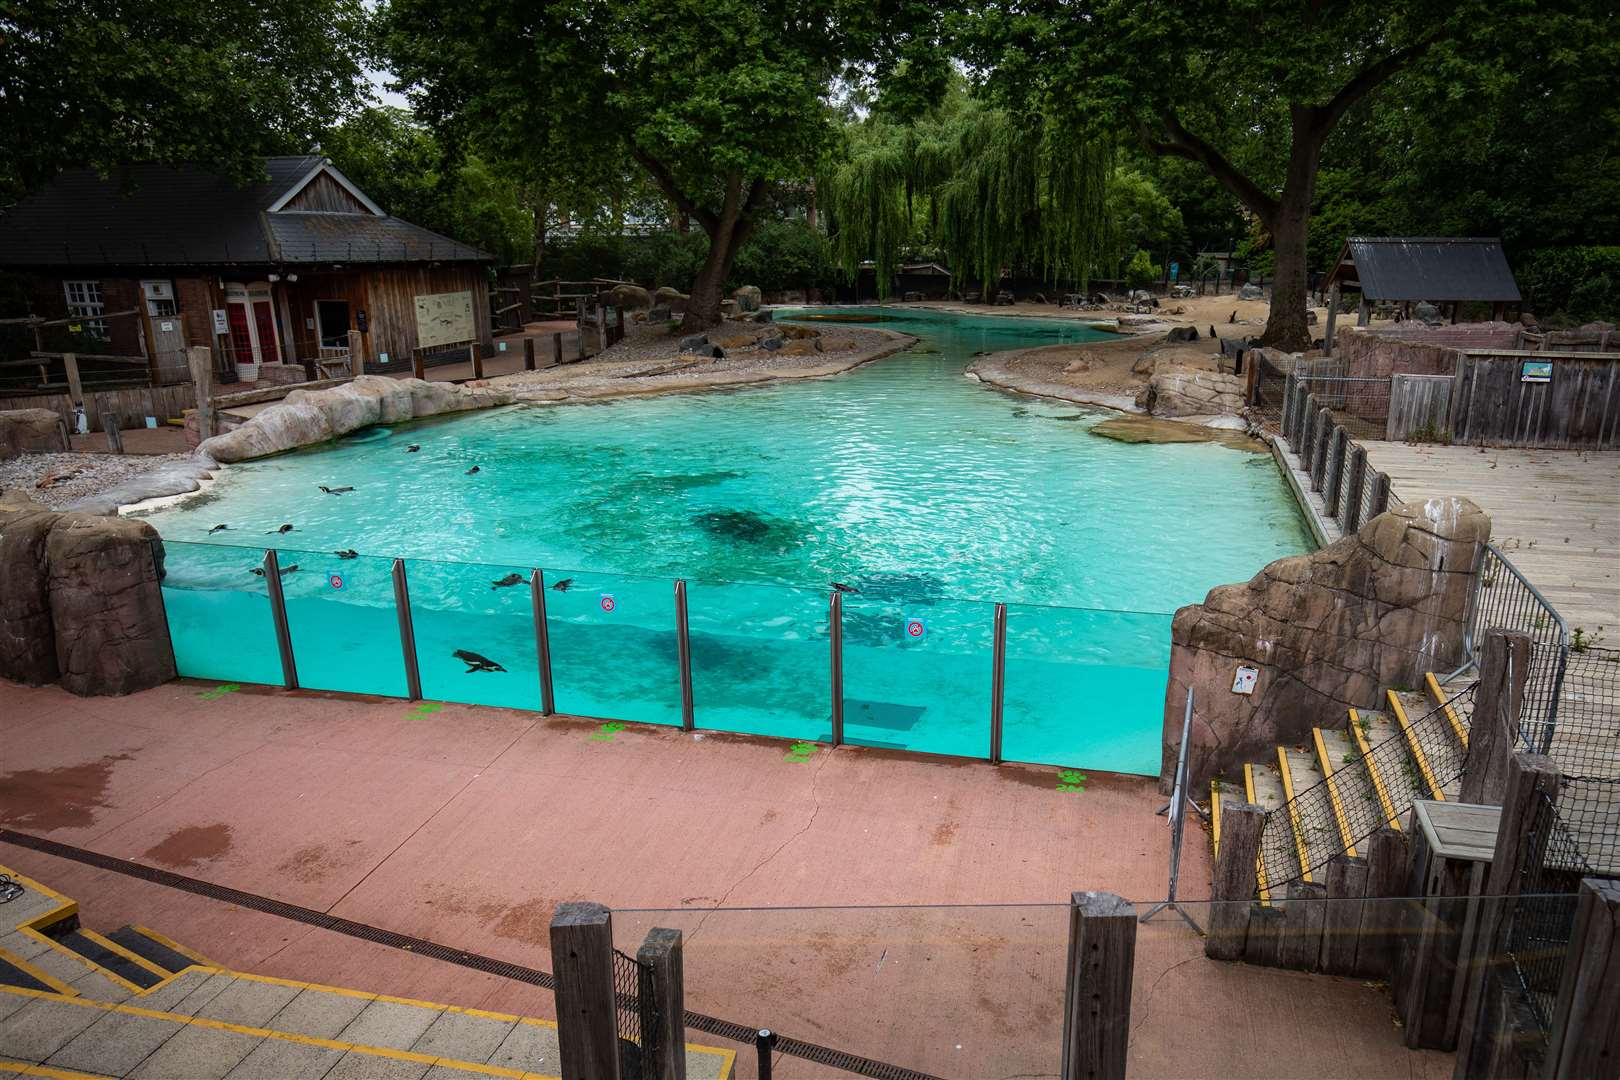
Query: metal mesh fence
pixel 635 1014
pixel 1539 926
pixel 1362 794
pixel 1584 735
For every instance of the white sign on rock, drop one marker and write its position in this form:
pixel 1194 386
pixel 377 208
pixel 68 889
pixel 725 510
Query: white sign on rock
pixel 444 319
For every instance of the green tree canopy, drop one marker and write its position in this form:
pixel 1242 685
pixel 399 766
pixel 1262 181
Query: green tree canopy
pixel 222 82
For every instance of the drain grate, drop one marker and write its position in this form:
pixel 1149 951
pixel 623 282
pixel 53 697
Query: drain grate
pixel 709 1025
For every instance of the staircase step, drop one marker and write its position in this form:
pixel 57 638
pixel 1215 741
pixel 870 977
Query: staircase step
pixel 1310 811
pixel 1435 695
pixel 158 951
pixel 13 975
pixel 1357 796
pixel 111 957
pixel 1263 787
pixel 1390 761
pixel 1428 782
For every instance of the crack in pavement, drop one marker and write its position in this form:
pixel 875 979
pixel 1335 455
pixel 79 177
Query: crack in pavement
pixel 1147 1005
pixel 814 782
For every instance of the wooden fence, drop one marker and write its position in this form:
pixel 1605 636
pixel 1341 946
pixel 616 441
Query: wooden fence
pixel 1419 407
pixel 1500 399
pixel 133 404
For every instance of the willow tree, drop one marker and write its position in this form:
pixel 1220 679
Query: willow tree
pixel 986 187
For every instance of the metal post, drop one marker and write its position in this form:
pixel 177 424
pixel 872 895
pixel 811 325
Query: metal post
pixel 683 649
pixel 278 612
pixel 764 1042
pixel 998 681
pixel 542 640
pixel 407 632
pixel 835 636
pixel 1179 798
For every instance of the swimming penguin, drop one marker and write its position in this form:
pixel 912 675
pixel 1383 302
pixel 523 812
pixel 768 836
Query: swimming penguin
pixel 413 448
pixel 217 528
pixel 283 530
pixel 562 586
pixel 507 582
pixel 349 554
pixel 839 586
pixel 258 571
pixel 475 662
pixel 334 491
pixel 472 470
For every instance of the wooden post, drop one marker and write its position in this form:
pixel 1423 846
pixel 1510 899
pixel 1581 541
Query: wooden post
pixel 1304 916
pixel 1341 929
pixel 418 364
pixel 1097 992
pixel 581 342
pixel 1234 881
pixel 75 387
pixel 1350 512
pixel 200 358
pixel 1251 380
pixel 1386 878
pixel 528 354
pixel 1530 776
pixel 1332 319
pixel 587 1021
pixel 1504 668
pixel 1585 1035
pixel 474 353
pixel 663 982
pixel 1334 471
pixel 1380 496
pixel 1364 312
pixel 556 349
pixel 111 423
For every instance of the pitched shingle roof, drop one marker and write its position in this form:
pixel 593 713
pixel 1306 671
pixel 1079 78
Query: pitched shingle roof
pixel 1426 268
pixel 158 215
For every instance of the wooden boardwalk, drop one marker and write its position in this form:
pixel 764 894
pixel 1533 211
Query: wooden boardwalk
pixel 1554 513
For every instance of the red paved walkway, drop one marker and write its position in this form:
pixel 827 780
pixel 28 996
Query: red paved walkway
pixel 468 826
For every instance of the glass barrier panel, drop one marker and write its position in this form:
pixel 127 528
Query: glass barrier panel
pixel 613 650
pixel 1084 688
pixel 219 613
pixel 917 669
pixel 474 626
pixel 760 659
pixel 340 613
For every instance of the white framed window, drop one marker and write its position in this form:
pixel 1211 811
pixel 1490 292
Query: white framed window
pixel 84 302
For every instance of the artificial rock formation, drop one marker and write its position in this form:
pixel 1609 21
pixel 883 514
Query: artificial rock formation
pixel 27 639
pixel 31 431
pixel 1327 631
pixel 107 605
pixel 1185 392
pixel 306 417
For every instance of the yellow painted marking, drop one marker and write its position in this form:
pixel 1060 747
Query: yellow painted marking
pixel 1259 861
pixel 1438 696
pixel 1333 793
pixel 1372 771
pixel 134 958
pixel 175 945
pixel 81 958
pixel 64 907
pixel 1416 747
pixel 49 980
pixel 1215 816
pixel 44 1070
pixel 1293 815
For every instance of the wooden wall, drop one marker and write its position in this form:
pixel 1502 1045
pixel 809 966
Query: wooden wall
pixel 1491 405
pixel 325 194
pixel 387 294
pixel 1419 405
pixel 133 404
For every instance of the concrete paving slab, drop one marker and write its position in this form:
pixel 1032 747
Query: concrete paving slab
pixel 279 1059
pixel 530 1047
pixel 318 1013
pixel 354 1066
pixel 464 1037
pixel 11 1002
pixel 163 998
pixel 248 1002
pixel 115 1044
pixel 206 991
pixel 197 1053
pixel 23 946
pixel 59 964
pixel 24 909
pixel 98 987
pixel 6 1073
pixel 445 1072
pixel 705 1066
pixel 390 1025
pixel 42 1027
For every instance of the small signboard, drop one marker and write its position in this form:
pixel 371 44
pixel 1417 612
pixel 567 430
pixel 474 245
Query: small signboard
pixel 1536 371
pixel 1245 680
pixel 222 323
pixel 334 578
pixel 166 326
pixel 1175 270
pixel 607 603
pixel 915 629
pixel 382 358
pixel 151 421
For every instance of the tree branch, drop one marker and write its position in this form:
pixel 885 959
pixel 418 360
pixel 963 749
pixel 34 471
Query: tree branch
pixel 666 183
pixel 1370 78
pixel 1183 143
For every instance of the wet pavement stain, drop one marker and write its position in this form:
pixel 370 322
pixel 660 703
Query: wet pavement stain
pixel 192 845
pixel 66 797
pixel 528 922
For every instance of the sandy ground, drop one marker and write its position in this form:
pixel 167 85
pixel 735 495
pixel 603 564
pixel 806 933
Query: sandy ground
pixel 468 825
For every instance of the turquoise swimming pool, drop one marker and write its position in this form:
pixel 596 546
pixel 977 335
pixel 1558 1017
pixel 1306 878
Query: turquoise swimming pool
pixel 930 496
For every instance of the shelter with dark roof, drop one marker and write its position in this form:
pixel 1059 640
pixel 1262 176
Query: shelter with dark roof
pixel 1442 270
pixel 298 266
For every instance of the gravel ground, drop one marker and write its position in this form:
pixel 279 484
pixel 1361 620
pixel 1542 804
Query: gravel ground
pixel 72 476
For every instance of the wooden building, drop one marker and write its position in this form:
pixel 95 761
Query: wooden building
pixel 1443 270
pixel 296 267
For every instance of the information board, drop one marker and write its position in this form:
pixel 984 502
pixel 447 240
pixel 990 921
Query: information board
pixel 444 319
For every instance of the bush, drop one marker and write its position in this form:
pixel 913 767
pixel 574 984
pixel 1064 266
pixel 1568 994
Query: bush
pixel 784 255
pixel 1571 285
pixel 780 255
pixel 1141 272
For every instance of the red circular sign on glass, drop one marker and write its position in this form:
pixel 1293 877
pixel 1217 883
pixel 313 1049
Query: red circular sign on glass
pixel 914 628
pixel 608 603
pixel 335 580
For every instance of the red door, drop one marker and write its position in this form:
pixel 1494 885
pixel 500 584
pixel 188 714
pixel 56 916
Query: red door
pixel 241 337
pixel 265 320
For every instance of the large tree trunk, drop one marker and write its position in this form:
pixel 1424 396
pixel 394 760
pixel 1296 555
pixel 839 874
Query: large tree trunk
pixel 542 207
pixel 1286 326
pixel 727 231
